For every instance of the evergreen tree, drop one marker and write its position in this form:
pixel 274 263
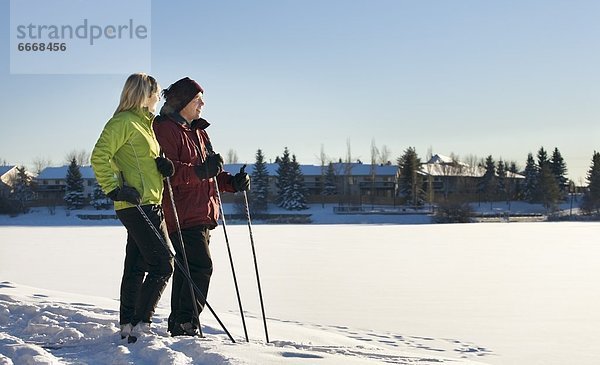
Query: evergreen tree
pixel 513 185
pixel 501 180
pixel 591 199
pixel 531 179
pixel 330 187
pixel 545 190
pixel 99 199
pixel 259 193
pixel 74 191
pixel 22 189
pixel 489 183
pixel 410 181
pixel 559 169
pixel 542 158
pixel 283 177
pixel 290 182
pixel 297 197
pixel 548 191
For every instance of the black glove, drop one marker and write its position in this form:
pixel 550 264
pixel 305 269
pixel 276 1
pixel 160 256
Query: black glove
pixel 241 180
pixel 127 194
pixel 210 168
pixel 164 166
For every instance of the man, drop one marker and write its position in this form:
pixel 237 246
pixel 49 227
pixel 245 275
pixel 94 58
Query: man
pixel 182 136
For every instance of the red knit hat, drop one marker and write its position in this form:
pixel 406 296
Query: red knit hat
pixel 179 94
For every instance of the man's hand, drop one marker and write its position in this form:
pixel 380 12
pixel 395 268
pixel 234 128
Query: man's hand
pixel 241 180
pixel 212 167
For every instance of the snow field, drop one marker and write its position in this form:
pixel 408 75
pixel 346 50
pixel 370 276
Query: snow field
pixel 516 293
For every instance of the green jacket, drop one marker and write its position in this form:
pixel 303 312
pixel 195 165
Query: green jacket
pixel 128 145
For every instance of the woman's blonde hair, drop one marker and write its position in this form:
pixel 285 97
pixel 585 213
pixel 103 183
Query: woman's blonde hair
pixel 137 89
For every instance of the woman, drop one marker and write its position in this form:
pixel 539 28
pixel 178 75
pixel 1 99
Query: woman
pixel 127 167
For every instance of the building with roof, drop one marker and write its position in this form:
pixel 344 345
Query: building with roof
pixel 8 174
pixel 446 176
pixel 353 180
pixel 52 182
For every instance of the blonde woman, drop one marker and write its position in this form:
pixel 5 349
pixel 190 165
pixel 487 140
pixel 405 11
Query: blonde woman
pixel 127 165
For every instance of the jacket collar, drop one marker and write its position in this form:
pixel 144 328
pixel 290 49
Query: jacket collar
pixel 199 123
pixel 143 113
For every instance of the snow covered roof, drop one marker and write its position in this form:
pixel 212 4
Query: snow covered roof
pixel 445 160
pixel 60 172
pixel 440 165
pixel 436 169
pixel 365 169
pixel 356 169
pixel 6 168
pixel 440 159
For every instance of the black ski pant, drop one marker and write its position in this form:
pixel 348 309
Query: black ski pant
pixel 144 253
pixel 196 240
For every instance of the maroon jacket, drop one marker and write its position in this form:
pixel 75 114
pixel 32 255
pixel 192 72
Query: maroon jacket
pixel 186 145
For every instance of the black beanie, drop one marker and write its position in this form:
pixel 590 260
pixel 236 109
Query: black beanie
pixel 179 94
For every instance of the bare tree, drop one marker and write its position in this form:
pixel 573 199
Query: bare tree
pixel 348 168
pixel 324 160
pixel 82 157
pixel 429 192
pixel 473 163
pixel 384 155
pixel 232 156
pixel 374 157
pixel 374 153
pixel 3 162
pixel 40 163
pixel 473 170
pixel 349 151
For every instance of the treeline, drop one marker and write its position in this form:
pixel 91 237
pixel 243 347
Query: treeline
pixel 544 181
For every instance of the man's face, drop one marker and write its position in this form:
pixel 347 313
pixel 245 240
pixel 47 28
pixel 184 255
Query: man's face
pixel 193 109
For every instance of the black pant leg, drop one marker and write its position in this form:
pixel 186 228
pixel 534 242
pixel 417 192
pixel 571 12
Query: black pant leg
pixel 176 284
pixel 133 275
pixel 196 241
pixel 156 257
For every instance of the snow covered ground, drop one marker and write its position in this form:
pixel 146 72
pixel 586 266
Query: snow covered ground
pixel 494 293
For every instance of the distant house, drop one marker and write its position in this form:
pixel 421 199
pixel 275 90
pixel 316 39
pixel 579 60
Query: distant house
pixel 8 174
pixel 358 179
pixel 52 182
pixel 352 179
pixel 447 176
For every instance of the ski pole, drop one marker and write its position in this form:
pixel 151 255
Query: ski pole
pixel 180 265
pixel 184 255
pixel 262 306
pixel 231 258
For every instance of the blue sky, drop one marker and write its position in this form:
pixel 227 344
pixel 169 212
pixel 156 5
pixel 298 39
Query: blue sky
pixel 468 77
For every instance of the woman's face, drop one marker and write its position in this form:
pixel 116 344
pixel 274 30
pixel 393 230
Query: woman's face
pixel 152 101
